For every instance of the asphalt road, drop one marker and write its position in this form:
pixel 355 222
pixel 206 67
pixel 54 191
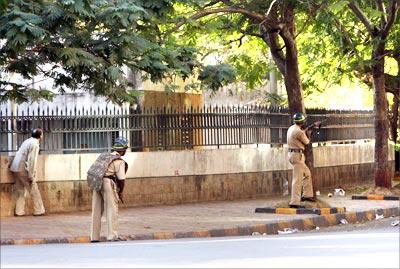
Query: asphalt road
pixel 371 245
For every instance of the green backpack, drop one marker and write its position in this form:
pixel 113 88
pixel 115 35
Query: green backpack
pixel 98 169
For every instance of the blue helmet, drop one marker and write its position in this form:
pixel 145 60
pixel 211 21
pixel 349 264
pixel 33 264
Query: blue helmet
pixel 299 117
pixel 120 143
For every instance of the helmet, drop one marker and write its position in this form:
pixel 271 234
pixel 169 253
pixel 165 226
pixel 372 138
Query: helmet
pixel 299 117
pixel 120 143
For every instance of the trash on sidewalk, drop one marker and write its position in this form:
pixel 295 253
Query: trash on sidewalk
pixel 343 222
pixel 339 192
pixel 317 193
pixel 395 223
pixel 288 231
pixel 378 216
pixel 255 233
pixel 317 228
pixel 330 194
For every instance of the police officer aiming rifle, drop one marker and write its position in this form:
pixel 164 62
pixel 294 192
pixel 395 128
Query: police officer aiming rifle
pixel 298 137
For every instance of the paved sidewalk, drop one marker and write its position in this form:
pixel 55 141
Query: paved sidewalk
pixel 187 220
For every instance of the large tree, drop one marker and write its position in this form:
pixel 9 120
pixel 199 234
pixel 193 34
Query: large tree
pixel 363 35
pixel 378 32
pixel 273 22
pixel 85 44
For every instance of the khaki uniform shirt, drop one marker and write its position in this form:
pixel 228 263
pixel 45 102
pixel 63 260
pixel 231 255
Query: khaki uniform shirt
pixel 117 168
pixel 296 137
pixel 26 157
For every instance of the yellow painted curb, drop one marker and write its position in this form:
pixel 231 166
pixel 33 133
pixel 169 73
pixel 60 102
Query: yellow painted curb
pixel 286 211
pixel 164 235
pixel 232 231
pixel 308 223
pixel 375 197
pixel 201 234
pixel 261 228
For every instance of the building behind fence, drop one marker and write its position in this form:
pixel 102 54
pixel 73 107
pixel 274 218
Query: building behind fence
pixel 93 130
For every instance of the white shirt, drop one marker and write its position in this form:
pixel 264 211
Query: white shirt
pixel 26 157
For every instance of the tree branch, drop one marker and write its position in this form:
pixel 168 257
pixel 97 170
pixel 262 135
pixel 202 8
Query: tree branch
pixel 252 15
pixel 348 42
pixel 211 4
pixel 240 40
pixel 359 14
pixel 381 7
pixel 394 7
pixel 243 31
pixel 272 40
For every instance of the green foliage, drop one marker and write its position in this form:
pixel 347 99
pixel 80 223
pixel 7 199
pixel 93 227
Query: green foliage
pixel 3 5
pixel 275 99
pixel 336 47
pixel 216 76
pixel 86 45
pixel 250 70
pixel 224 38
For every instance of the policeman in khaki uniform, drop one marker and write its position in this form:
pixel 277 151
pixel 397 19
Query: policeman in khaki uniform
pixel 23 168
pixel 110 195
pixel 297 139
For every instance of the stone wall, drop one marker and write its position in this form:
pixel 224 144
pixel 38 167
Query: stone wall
pixel 171 177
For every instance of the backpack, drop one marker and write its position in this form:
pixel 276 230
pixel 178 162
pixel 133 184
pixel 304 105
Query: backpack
pixel 98 169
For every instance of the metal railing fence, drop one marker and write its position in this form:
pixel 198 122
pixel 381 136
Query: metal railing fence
pixel 93 130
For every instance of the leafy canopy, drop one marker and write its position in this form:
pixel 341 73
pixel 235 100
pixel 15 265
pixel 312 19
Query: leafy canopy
pixel 86 45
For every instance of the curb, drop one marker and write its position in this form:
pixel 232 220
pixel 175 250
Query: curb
pixel 299 211
pixel 375 197
pixel 267 228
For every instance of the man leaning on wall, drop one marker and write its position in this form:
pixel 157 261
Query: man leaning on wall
pixel 23 168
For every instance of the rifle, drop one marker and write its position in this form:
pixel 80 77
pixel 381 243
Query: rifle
pixel 120 186
pixel 315 125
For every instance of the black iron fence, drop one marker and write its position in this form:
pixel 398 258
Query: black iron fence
pixel 89 130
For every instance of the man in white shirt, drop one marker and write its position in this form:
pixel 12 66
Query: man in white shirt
pixel 23 167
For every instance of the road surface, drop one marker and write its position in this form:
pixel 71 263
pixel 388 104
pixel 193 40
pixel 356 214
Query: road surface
pixel 372 245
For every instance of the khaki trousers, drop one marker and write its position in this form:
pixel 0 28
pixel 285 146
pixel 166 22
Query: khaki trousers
pixel 105 201
pixel 301 178
pixel 22 188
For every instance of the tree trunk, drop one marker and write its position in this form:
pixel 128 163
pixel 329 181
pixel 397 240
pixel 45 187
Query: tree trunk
pixel 394 120
pixel 292 73
pixel 381 167
pixel 288 65
pixel 394 124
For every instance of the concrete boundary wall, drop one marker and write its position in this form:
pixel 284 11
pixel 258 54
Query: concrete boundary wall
pixel 171 177
pixel 66 167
